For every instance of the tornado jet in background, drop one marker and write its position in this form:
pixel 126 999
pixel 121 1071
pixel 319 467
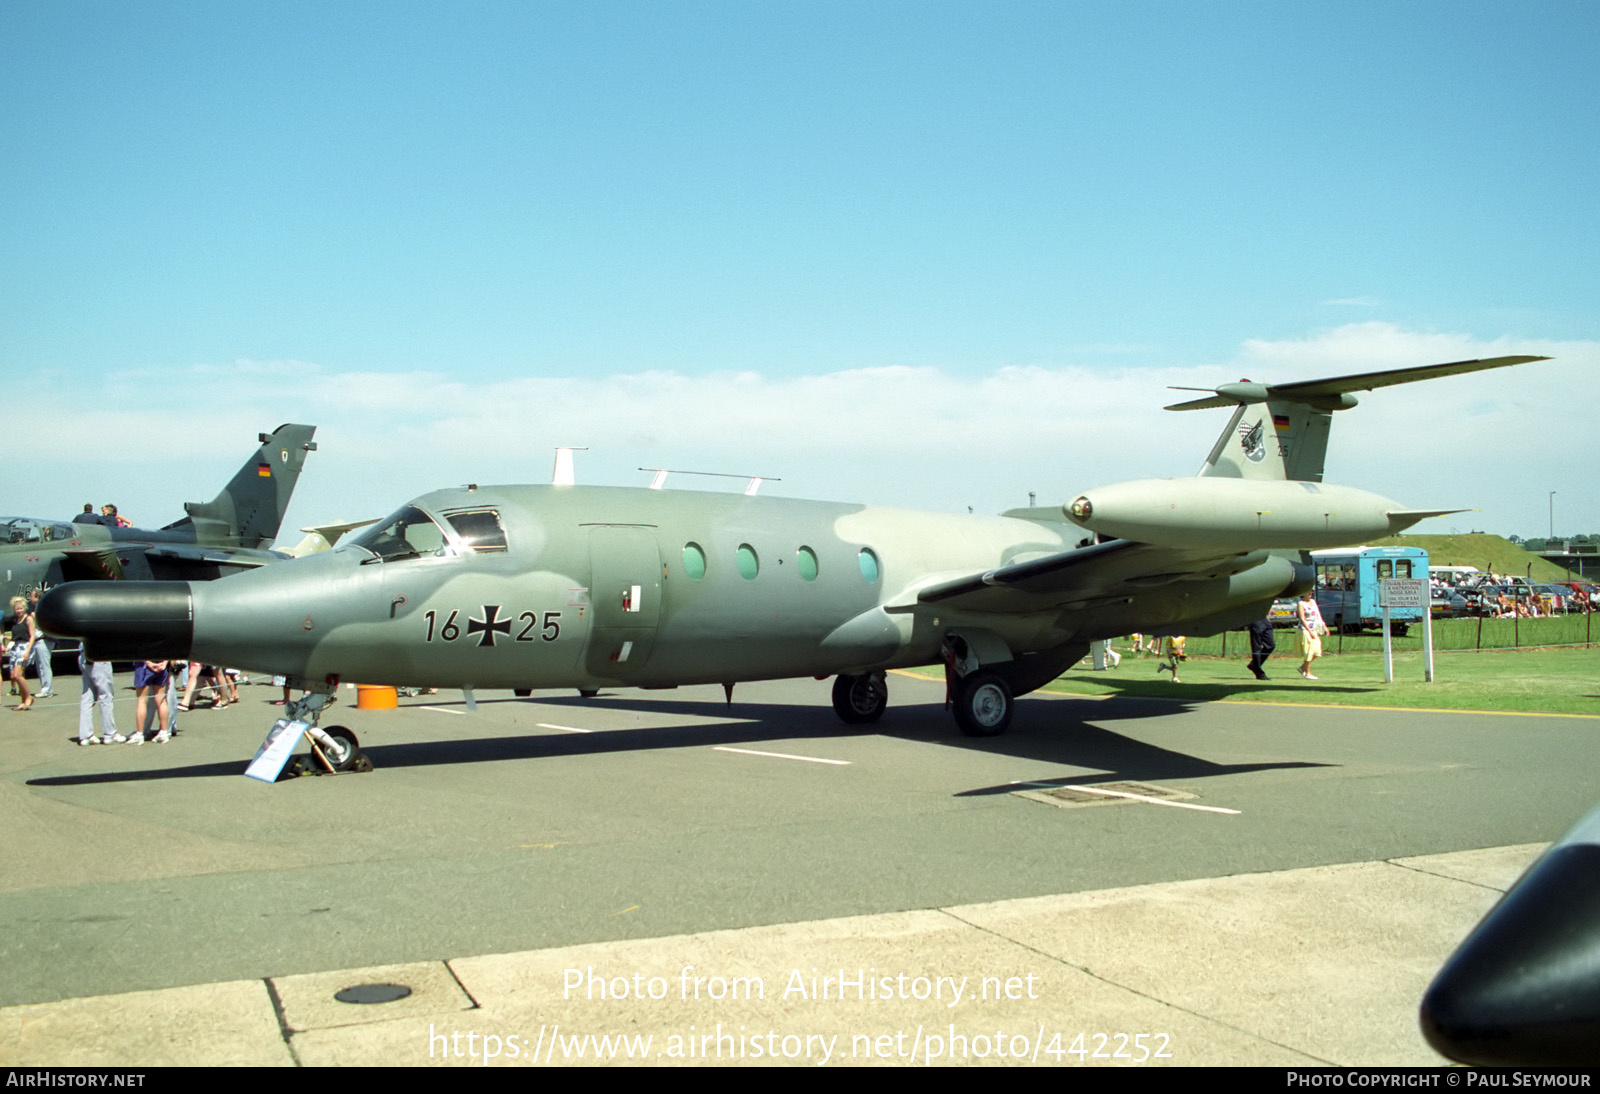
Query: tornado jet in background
pixel 232 532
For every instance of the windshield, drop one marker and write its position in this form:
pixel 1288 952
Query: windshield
pixel 18 530
pixel 29 530
pixel 410 533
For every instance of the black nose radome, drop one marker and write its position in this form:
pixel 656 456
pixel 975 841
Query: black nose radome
pixel 122 620
pixel 1524 988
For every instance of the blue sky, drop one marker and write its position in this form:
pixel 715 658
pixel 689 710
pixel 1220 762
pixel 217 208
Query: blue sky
pixel 925 254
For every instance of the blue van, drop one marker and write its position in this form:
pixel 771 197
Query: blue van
pixel 1347 586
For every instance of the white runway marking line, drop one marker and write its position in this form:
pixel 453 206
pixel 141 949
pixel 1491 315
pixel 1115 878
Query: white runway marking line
pixel 1133 797
pixel 780 755
pixel 564 729
pixel 442 710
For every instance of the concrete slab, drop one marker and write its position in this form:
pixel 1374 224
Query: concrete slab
pixel 208 1025
pixel 1328 961
pixel 310 1001
pixel 916 987
pixel 1494 867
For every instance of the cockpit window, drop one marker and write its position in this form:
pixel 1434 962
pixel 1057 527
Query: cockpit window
pixel 479 529
pixel 410 533
pixel 19 530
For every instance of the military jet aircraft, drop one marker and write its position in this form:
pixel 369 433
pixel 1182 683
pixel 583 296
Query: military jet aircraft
pixel 228 534
pixel 588 587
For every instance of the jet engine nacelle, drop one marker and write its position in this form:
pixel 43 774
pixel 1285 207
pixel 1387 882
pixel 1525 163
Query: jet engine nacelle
pixel 1238 514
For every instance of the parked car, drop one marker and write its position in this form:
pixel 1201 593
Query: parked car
pixel 1282 613
pixel 1448 603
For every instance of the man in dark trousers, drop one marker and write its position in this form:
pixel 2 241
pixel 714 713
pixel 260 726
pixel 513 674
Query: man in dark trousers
pixel 1261 646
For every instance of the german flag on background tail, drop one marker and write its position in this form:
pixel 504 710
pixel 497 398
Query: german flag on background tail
pixel 263 471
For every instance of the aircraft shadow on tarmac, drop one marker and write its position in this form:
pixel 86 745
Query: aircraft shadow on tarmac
pixel 1047 732
pixel 1300 692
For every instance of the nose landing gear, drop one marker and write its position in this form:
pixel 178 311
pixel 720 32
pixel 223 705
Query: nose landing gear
pixel 334 750
pixel 858 700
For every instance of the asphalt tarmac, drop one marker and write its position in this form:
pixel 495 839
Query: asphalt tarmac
pixel 1254 884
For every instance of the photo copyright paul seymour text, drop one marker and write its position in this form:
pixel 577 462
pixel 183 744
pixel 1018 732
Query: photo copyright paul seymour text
pixel 1444 1077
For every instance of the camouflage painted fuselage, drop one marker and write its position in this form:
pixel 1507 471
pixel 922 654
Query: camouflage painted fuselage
pixel 604 586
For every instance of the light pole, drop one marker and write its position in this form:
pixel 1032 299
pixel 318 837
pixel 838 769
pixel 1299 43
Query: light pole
pixel 1552 514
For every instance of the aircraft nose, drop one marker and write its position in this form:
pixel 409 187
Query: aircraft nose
pixel 122 620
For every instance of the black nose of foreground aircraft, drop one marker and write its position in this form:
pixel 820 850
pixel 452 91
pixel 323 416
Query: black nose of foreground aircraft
pixel 1524 988
pixel 123 620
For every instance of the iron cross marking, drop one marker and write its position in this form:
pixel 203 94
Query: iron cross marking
pixel 488 625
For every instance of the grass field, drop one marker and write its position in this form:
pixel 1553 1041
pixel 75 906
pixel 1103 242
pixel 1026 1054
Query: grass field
pixel 1448 634
pixel 1559 681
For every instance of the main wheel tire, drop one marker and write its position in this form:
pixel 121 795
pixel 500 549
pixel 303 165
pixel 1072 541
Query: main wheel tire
pixel 588 693
pixel 345 755
pixel 858 700
pixel 983 704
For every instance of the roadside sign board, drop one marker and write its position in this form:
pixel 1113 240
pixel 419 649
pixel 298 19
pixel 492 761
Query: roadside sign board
pixel 1406 592
pixel 1403 592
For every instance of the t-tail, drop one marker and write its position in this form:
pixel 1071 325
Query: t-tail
pixel 1280 431
pixel 250 508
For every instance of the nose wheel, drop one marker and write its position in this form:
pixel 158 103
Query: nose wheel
pixel 858 700
pixel 340 751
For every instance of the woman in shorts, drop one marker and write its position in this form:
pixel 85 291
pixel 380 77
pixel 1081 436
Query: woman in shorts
pixel 24 634
pixel 150 680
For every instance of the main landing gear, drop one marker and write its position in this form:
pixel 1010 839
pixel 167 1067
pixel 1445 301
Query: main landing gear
pixel 981 702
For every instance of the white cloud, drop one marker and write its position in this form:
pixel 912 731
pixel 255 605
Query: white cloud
pixel 906 435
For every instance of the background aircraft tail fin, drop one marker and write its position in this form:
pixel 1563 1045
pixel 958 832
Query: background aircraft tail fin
pixel 250 508
pixel 1280 431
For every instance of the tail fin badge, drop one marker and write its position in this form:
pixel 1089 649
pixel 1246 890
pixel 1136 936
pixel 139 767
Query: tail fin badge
pixel 1251 440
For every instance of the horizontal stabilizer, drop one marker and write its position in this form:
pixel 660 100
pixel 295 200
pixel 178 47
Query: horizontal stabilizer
pixel 1327 391
pixel 333 531
pixel 1414 515
pixel 1401 519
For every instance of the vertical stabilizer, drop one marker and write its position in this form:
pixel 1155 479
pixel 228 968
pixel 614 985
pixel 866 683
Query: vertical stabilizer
pixel 250 508
pixel 1247 448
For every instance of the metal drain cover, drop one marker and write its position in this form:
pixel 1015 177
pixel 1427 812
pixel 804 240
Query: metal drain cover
pixel 1117 793
pixel 372 993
